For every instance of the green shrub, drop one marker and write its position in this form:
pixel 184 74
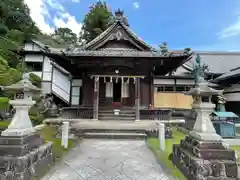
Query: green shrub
pixel 35 116
pixel 36 80
pixel 37 119
pixel 4 103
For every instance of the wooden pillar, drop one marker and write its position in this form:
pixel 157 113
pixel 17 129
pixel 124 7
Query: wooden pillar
pixel 137 98
pixel 151 89
pixel 96 97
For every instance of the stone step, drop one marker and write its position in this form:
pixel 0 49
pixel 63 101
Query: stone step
pixel 117 135
pixel 112 111
pixel 119 115
pixel 116 118
pixel 105 130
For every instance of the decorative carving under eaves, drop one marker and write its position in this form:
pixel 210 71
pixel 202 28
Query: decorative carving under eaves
pixel 118 36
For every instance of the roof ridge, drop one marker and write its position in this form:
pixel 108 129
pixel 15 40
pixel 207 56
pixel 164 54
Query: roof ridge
pixel 135 35
pixel 104 33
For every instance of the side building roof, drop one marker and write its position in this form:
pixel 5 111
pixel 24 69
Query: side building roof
pixel 217 62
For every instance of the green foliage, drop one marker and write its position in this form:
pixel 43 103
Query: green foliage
pixel 3 29
pixel 95 21
pixel 67 35
pixel 35 116
pixel 16 26
pixel 36 80
pixel 50 41
pixel 37 119
pixel 4 102
pixel 4 124
pixel 8 75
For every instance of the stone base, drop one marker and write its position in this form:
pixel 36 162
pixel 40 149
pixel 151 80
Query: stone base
pixel 23 158
pixel 18 132
pixel 205 136
pixel 205 160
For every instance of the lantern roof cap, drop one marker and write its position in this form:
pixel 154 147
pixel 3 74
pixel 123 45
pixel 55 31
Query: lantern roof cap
pixel 24 85
pixel 203 89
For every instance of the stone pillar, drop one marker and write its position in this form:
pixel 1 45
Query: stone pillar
pixel 65 128
pixel 137 98
pixel 161 136
pixel 96 98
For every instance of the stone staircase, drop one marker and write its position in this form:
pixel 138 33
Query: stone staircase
pixel 126 114
pixel 107 133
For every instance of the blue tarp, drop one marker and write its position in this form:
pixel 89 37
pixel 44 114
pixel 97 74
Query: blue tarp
pixel 225 114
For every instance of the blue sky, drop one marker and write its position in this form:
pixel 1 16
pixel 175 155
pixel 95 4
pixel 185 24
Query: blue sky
pixel 199 24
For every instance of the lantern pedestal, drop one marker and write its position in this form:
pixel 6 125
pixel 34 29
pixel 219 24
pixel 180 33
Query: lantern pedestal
pixel 203 128
pixel 21 124
pixel 202 154
pixel 24 157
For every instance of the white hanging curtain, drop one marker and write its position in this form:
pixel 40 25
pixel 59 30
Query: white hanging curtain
pixel 109 89
pixel 125 90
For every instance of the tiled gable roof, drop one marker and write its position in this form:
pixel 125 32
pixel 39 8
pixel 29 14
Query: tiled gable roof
pixel 109 30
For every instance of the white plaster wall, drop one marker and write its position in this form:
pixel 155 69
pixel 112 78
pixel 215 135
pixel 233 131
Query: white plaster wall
pixel 31 47
pixel 232 93
pixel 61 84
pixel 163 81
pixel 232 96
pixel 33 58
pixel 185 82
pixel 46 87
pixel 77 82
pixel 47 69
pixel 234 87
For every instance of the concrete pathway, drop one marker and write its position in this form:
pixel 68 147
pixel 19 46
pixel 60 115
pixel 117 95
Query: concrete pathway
pixel 103 159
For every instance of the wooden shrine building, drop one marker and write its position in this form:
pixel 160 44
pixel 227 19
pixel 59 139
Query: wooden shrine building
pixel 116 70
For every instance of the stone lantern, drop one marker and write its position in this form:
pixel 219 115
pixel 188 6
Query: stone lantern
pixel 203 128
pixel 203 154
pixel 21 124
pixel 23 153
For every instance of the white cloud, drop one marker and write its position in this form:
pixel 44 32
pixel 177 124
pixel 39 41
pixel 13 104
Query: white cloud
pixel 136 5
pixel 40 13
pixel 232 30
pixel 69 21
pixel 76 1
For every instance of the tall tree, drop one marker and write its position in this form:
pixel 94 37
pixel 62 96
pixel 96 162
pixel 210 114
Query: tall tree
pixel 67 35
pixel 95 21
pixel 16 26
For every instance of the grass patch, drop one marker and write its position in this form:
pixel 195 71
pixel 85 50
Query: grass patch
pixel 4 124
pixel 163 155
pixel 237 149
pixel 48 133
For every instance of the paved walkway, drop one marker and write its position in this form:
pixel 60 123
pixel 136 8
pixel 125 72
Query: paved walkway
pixel 108 160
